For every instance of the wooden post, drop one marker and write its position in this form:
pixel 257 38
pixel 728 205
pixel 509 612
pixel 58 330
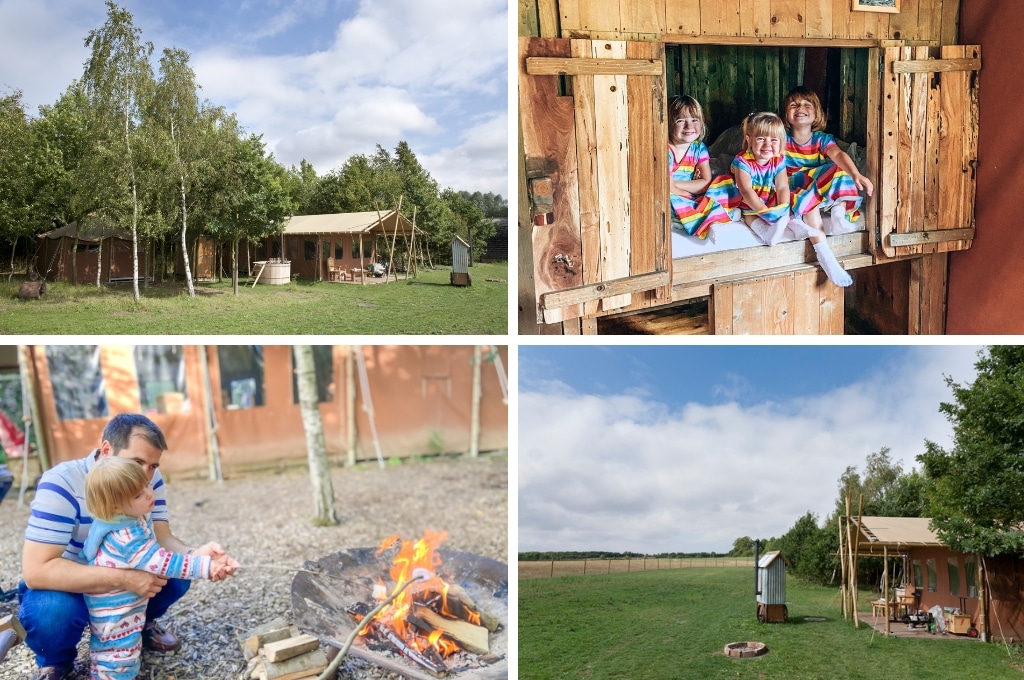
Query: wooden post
pixel 842 569
pixel 474 419
pixel 853 572
pixel 212 448
pixel 412 246
pixel 26 366
pixel 394 239
pixel 350 403
pixel 552 574
pixel 362 267
pixel 885 586
pixel 584 566
pixel 982 610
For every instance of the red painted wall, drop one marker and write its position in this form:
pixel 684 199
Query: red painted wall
pixel 986 282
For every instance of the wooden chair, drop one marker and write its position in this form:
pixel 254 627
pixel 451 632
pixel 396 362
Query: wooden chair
pixel 335 272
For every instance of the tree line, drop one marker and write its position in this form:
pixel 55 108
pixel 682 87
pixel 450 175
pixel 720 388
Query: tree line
pixel 973 491
pixel 124 147
pixel 559 556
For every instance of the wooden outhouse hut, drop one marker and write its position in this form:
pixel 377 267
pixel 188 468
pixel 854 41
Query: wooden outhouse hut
pixel 989 590
pixel 460 262
pixel 113 246
pixel 350 239
pixel 597 248
pixel 771 588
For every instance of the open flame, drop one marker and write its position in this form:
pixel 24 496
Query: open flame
pixel 412 555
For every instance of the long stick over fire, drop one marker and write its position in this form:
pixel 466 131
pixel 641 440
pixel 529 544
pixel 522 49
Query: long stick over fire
pixel 332 669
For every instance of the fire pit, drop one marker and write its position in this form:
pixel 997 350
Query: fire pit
pixel 324 597
pixel 745 650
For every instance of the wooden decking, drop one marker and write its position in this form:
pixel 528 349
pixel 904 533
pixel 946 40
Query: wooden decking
pixel 902 630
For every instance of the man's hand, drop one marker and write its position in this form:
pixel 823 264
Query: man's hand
pixel 227 564
pixel 142 583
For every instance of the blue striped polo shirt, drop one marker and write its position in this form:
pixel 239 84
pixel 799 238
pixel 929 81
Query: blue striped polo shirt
pixel 59 515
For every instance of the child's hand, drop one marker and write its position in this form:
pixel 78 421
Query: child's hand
pixel 864 183
pixel 218 568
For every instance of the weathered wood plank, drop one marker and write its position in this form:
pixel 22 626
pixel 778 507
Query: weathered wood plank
pixel 756 18
pixel 290 647
pixel 720 309
pixel 778 299
pixel 604 289
pixel 611 114
pixel 720 17
pixel 950 26
pixel 952 133
pixel 644 176
pixel 643 17
pixel 788 18
pixel 971 141
pixel 682 17
pixel 937 65
pixel 547 13
pixel 904 136
pixel 586 155
pixel 905 25
pixel 818 19
pixel 805 302
pixel 831 309
pixel 548 134
pixel 919 128
pixel 748 313
pixel 930 213
pixel 874 140
pixel 887 189
pixel 554 66
pixel 931 236
pixel 602 17
pixel 928 279
pixel 768 40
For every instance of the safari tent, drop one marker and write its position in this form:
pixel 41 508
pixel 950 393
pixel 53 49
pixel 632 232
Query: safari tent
pixel 242 400
pixel 989 590
pixel 597 251
pixel 58 248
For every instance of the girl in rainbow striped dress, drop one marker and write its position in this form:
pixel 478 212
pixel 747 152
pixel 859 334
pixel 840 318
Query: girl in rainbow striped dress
pixel 698 201
pixel 118 496
pixel 760 174
pixel 822 177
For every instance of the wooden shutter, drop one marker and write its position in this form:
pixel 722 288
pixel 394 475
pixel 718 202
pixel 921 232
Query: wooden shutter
pixel 929 150
pixel 597 174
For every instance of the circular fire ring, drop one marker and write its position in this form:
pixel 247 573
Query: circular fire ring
pixel 745 650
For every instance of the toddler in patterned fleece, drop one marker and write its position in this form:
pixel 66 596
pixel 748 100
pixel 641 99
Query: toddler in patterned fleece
pixel 118 495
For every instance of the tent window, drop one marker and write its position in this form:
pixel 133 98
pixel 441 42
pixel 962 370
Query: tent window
pixel 87 248
pixel 323 359
pixel 310 250
pixel 326 250
pixel 933 577
pixel 241 375
pixel 971 572
pixel 161 373
pixel 918 575
pixel 953 566
pixel 339 250
pixel 76 376
pixel 357 246
pixel 275 249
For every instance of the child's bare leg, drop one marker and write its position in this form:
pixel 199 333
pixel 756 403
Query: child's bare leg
pixel 813 220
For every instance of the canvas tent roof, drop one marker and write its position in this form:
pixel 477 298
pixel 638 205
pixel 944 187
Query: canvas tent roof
pixel 89 233
pixel 895 533
pixel 348 223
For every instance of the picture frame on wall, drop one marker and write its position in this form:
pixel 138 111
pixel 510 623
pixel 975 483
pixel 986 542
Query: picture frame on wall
pixel 890 6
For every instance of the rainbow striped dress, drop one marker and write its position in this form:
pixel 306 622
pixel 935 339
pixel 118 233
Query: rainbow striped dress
pixel 696 215
pixel 762 179
pixel 815 180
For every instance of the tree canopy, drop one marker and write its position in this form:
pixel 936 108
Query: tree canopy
pixel 976 497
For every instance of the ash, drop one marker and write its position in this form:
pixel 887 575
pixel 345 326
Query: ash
pixel 265 518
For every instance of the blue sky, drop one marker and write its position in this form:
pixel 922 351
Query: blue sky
pixel 683 448
pixel 320 79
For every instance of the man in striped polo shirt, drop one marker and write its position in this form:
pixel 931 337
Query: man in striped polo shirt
pixel 56 574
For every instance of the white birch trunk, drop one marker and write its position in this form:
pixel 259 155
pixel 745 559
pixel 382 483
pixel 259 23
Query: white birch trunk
pixel 320 476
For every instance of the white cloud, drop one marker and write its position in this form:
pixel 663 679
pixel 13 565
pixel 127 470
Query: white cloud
pixel 625 473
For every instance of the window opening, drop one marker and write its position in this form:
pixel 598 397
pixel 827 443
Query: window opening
pixel 241 375
pixel 161 374
pixel 323 360
pixel 76 375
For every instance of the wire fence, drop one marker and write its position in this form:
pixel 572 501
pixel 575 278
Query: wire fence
pixel 554 568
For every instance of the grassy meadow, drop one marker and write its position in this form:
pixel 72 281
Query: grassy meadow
pixel 675 623
pixel 426 305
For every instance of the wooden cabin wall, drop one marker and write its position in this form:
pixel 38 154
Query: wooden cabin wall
pixel 931 21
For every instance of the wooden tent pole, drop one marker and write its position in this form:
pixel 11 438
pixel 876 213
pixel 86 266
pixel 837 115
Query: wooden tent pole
pixel 982 610
pixel 412 245
pixel 362 268
pixel 210 419
pixel 26 365
pixel 853 580
pixel 885 586
pixel 842 566
pixel 394 240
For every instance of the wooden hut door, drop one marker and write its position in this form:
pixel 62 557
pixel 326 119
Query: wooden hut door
pixel 596 165
pixel 929 150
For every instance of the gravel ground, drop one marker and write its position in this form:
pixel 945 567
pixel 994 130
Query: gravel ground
pixel 264 518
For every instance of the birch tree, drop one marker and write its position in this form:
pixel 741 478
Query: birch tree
pixel 118 81
pixel 323 490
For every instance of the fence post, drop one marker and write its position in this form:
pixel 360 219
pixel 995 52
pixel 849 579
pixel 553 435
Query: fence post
pixel 584 567
pixel 552 574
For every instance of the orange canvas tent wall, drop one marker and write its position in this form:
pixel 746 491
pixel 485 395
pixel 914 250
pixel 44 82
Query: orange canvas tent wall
pixel 422 398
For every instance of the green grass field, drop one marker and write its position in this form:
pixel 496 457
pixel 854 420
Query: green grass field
pixel 426 305
pixel 675 623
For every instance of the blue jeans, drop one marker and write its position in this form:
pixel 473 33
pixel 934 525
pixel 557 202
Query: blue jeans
pixel 54 620
pixel 6 479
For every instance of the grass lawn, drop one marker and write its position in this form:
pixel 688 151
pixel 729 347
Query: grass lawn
pixel 426 305
pixel 674 624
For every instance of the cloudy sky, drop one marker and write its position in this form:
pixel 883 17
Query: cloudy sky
pixel 320 79
pixel 661 449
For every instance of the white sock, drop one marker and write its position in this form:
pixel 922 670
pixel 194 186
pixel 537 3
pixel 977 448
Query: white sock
pixel 770 233
pixel 833 270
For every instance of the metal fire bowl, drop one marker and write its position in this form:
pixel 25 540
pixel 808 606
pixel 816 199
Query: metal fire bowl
pixel 319 600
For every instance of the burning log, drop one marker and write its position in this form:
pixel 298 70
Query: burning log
pixel 406 650
pixel 472 637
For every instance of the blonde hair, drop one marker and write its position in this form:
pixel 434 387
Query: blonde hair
pixel 802 93
pixel 764 124
pixel 111 485
pixel 682 105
